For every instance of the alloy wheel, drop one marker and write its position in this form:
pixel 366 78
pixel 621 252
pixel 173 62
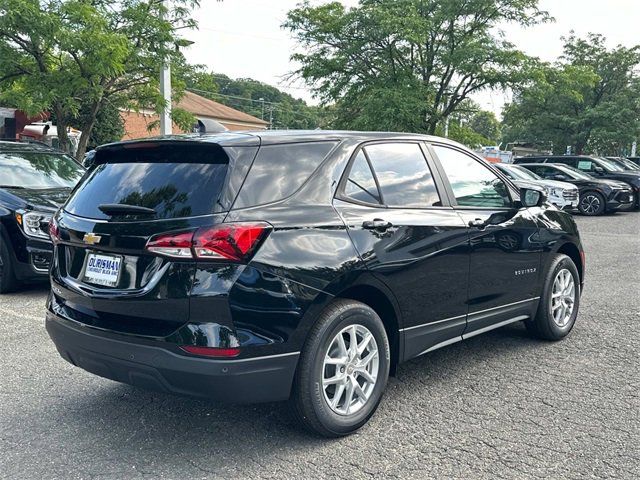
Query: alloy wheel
pixel 350 369
pixel 590 204
pixel 563 298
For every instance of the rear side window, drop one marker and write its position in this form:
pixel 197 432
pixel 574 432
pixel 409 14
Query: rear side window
pixel 403 174
pixel 279 170
pixel 174 181
pixel 361 185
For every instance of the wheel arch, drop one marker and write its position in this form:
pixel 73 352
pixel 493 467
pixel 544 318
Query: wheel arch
pixel 572 251
pixel 382 303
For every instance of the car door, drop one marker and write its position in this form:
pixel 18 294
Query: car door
pixel 410 238
pixel 504 249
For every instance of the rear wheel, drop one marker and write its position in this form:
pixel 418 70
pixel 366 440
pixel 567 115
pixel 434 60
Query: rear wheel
pixel 8 281
pixel 592 203
pixel 343 370
pixel 560 301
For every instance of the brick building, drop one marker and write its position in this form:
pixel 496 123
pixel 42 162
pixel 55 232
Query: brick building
pixel 136 123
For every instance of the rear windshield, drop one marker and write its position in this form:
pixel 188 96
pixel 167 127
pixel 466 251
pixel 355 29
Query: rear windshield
pixel 174 181
pixel 38 170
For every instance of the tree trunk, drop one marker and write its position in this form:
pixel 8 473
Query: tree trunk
pixel 61 124
pixel 86 129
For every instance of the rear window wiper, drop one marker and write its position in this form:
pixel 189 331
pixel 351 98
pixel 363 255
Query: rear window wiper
pixel 124 209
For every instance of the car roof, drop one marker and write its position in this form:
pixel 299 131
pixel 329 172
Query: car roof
pixel 18 146
pixel 271 137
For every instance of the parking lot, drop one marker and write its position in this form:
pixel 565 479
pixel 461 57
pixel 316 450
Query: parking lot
pixel 500 405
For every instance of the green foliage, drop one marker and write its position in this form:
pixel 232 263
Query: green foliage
pixel 486 124
pixel 589 100
pixel 285 111
pixel 72 57
pixel 407 64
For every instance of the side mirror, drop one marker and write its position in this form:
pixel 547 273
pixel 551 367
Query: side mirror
pixel 558 177
pixel 530 197
pixel 598 170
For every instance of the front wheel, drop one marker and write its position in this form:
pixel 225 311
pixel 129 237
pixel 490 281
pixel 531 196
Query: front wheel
pixel 592 204
pixel 343 370
pixel 559 302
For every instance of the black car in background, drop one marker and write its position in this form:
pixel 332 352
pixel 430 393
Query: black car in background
pixel 34 181
pixel 595 166
pixel 299 265
pixel 597 196
pixel 635 160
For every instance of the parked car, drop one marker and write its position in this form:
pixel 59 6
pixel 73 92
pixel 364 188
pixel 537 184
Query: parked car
pixel 597 196
pixel 624 163
pixel 561 194
pixel 595 166
pixel 635 160
pixel 299 265
pixel 34 181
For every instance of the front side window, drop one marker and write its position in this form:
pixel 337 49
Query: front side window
pixel 403 174
pixel 473 184
pixel 361 185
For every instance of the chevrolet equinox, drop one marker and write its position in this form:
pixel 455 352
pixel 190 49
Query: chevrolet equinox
pixel 266 266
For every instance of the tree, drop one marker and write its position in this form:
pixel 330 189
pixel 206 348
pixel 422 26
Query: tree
pixel 407 64
pixel 74 57
pixel 589 100
pixel 486 124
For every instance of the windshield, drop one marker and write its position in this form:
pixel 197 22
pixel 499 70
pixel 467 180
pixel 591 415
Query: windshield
pixel 574 172
pixel 38 170
pixel 609 166
pixel 521 173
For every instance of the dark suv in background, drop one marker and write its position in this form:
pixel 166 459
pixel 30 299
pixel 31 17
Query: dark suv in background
pixel 597 196
pixel 595 166
pixel 299 265
pixel 34 181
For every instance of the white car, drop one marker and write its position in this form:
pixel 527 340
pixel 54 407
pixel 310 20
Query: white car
pixel 561 194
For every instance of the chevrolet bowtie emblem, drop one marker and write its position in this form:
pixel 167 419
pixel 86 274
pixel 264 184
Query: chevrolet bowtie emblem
pixel 91 238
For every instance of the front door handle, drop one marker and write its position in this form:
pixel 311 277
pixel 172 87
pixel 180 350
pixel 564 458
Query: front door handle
pixel 478 223
pixel 376 224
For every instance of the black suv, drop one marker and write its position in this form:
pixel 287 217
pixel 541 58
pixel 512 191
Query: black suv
pixel 304 265
pixel 595 166
pixel 34 181
pixel 597 196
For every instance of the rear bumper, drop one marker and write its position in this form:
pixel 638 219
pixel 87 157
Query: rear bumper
pixel 251 380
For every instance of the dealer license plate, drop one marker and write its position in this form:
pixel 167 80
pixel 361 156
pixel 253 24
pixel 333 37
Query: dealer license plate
pixel 102 269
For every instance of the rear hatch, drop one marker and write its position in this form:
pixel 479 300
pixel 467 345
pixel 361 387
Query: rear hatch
pixel 133 192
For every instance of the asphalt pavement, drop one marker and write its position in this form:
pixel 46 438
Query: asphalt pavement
pixel 501 405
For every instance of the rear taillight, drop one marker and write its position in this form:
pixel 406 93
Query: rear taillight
pixel 227 241
pixel 211 351
pixel 172 244
pixel 54 231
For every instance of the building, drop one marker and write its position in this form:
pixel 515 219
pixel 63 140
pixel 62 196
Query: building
pixel 136 124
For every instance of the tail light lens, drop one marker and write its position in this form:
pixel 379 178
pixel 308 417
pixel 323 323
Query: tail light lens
pixel 228 241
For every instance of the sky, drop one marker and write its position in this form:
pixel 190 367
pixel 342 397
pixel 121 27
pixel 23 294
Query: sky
pixel 244 38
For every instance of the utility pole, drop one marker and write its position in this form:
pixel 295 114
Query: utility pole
pixel 634 147
pixel 446 127
pixel 165 90
pixel 271 116
pixel 261 100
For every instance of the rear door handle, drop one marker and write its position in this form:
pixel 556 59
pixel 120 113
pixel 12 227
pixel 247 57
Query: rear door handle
pixel 376 224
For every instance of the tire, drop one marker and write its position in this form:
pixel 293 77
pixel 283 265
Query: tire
pixel 545 324
pixel 591 204
pixel 8 282
pixel 310 400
